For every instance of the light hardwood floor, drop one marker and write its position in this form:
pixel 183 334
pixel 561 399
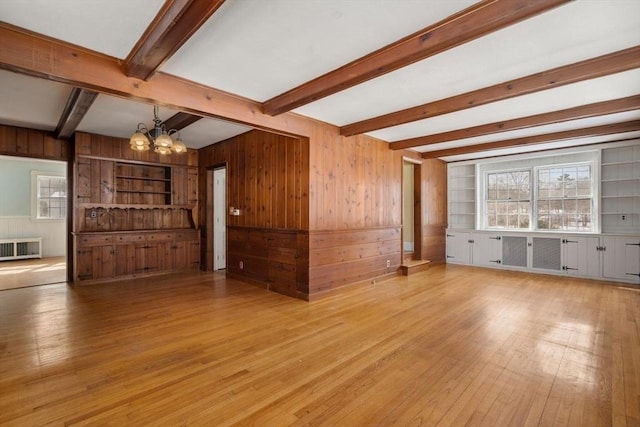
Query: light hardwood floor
pixel 32 272
pixel 450 346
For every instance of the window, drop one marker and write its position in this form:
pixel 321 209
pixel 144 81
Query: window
pixel 565 198
pixel 508 200
pixel 51 197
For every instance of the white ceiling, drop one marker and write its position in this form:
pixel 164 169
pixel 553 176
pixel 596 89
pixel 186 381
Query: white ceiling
pixel 260 49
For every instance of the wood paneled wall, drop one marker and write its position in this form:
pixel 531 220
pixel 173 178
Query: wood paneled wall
pixel 17 141
pixel 434 209
pixel 268 180
pixel 343 197
pixel 355 182
pixel 355 210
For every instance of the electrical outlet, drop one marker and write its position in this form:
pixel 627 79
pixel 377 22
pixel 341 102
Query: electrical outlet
pixel 388 263
pixel 241 265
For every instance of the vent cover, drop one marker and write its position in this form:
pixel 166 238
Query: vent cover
pixel 547 253
pixel 514 251
pixel 6 250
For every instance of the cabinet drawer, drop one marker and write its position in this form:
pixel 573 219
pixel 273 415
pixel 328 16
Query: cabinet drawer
pixel 95 240
pixel 160 237
pixel 129 238
pixel 184 236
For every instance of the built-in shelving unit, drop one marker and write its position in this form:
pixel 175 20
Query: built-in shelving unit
pixel 135 214
pixel 620 189
pixel 462 196
pixel 142 184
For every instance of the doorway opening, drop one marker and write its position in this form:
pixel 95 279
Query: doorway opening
pixel 217 218
pixel 411 210
pixel 33 222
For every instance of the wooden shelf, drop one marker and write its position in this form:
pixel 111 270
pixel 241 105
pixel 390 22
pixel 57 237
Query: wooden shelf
pixel 130 206
pixel 143 191
pixel 142 178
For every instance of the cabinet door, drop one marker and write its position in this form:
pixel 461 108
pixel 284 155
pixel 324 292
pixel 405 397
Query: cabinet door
pixel 458 247
pixel 125 259
pixel 180 255
pixel 581 256
pixel 96 262
pixel 622 258
pixel 486 249
pixel 194 254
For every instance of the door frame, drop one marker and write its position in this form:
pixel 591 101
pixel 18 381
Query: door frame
pixel 209 212
pixel 417 208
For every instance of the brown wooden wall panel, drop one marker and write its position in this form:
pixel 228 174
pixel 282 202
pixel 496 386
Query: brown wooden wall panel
pixel 434 209
pixel 353 182
pixel 23 142
pixel 341 257
pixel 258 169
pixel 275 258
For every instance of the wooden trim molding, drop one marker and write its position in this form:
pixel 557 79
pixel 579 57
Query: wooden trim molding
pixel 584 111
pixel 78 103
pixel 604 65
pixel 176 21
pixel 623 127
pixel 476 21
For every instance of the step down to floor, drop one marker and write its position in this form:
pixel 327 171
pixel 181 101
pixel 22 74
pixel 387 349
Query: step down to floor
pixel 410 267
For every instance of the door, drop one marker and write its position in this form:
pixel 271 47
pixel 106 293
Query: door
pixel 220 218
pixel 622 258
pixel 581 256
pixel 458 245
pixel 487 250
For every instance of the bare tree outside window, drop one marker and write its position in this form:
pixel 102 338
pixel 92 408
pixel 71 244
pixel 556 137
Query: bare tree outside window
pixel 508 202
pixel 565 198
pixel 51 197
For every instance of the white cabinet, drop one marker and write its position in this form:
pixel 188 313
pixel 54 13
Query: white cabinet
pixel 459 247
pixel 486 249
pixel 611 257
pixel 621 259
pixel 581 256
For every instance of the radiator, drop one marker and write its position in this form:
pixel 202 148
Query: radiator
pixel 11 249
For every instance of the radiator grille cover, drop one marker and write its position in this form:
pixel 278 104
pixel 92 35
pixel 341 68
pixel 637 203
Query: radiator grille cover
pixel 6 250
pixel 546 253
pixel 514 251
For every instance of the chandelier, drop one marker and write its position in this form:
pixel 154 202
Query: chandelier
pixel 157 138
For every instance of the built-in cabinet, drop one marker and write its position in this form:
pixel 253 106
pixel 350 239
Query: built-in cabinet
pixel 132 218
pixel 607 257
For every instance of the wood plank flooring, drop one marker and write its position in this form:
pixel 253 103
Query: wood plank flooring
pixel 450 346
pixel 32 272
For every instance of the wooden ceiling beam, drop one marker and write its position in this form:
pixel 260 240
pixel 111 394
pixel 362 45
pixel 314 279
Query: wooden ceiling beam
pixel 176 21
pixel 476 21
pixel 614 128
pixel 582 112
pixel 78 104
pixel 604 65
pixel 33 54
pixel 180 121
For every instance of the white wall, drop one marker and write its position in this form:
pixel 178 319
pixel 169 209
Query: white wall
pixel 15 205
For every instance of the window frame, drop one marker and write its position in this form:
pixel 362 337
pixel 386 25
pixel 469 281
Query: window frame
pixel 485 198
pixel 35 198
pixel 592 198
